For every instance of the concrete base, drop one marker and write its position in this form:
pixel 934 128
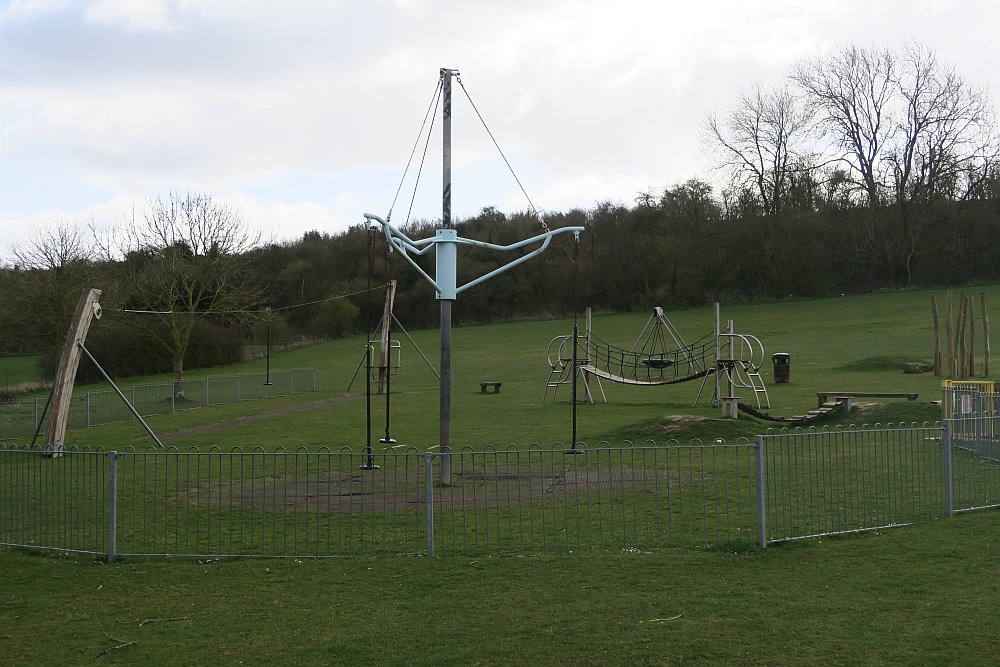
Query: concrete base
pixel 730 407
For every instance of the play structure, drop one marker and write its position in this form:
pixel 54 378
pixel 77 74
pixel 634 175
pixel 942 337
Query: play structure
pixel 660 356
pixel 383 374
pixel 444 245
pixel 957 359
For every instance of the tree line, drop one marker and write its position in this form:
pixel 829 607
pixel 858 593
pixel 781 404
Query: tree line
pixel 868 168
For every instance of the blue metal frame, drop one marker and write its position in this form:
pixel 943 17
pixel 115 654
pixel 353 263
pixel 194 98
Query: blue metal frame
pixel 446 242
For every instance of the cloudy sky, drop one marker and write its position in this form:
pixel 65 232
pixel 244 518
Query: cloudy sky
pixel 303 113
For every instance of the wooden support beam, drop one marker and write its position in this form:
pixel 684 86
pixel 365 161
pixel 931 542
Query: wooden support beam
pixel 62 390
pixel 385 354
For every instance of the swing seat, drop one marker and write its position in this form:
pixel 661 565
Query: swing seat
pixel 658 363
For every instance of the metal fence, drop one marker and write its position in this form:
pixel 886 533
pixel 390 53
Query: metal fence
pixel 782 486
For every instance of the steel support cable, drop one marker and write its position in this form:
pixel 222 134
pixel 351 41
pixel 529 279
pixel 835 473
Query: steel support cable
pixel 423 159
pixel 534 210
pixel 431 113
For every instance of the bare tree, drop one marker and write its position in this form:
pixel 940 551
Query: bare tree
pixel 50 269
pixel 761 142
pixel 852 92
pixel 910 132
pixel 186 259
pixel 57 248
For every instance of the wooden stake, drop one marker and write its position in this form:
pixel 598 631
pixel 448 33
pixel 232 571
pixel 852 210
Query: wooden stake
pixel 986 334
pixel 949 343
pixel 960 338
pixel 937 337
pixel 971 361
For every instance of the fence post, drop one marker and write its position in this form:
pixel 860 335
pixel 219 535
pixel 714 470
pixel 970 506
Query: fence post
pixel 173 394
pixel 88 409
pixel 949 488
pixel 237 388
pixel 35 419
pixel 206 391
pixel 429 483
pixel 758 446
pixel 978 417
pixel 291 389
pixel 112 505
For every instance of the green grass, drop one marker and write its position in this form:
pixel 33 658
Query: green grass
pixel 923 595
pixel 19 373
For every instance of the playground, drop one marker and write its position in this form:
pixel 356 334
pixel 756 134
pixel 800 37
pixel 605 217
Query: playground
pixel 648 435
pixel 536 472
pixel 687 603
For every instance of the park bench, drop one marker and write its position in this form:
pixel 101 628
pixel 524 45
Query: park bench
pixel 484 385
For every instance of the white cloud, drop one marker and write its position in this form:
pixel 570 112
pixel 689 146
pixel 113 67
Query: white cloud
pixel 288 222
pixel 306 112
pixel 24 10
pixel 132 14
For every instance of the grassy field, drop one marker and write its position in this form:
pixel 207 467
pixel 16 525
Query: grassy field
pixel 856 343
pixel 918 595
pixel 19 373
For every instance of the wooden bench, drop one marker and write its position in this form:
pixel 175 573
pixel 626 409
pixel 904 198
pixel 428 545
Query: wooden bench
pixel 484 385
pixel 825 396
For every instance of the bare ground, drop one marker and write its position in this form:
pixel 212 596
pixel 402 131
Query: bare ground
pixel 251 419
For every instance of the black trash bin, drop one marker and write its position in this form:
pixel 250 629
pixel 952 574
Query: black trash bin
pixel 782 367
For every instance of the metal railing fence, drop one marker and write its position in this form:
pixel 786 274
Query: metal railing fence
pixel 782 486
pixel 831 481
pixel 325 503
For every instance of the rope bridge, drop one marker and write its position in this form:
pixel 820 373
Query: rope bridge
pixel 649 367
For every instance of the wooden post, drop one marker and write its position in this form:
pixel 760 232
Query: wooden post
pixel 949 343
pixel 986 334
pixel 971 361
pixel 960 337
pixel 62 390
pixel 385 354
pixel 937 337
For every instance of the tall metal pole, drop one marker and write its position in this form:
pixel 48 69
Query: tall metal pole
pixel 267 358
pixel 446 75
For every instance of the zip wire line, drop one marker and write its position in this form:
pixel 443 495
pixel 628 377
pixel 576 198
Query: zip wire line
pixel 244 311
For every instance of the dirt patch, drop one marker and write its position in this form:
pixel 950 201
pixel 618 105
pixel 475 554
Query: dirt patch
pixel 680 422
pixel 251 419
pixel 866 408
pixel 389 490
